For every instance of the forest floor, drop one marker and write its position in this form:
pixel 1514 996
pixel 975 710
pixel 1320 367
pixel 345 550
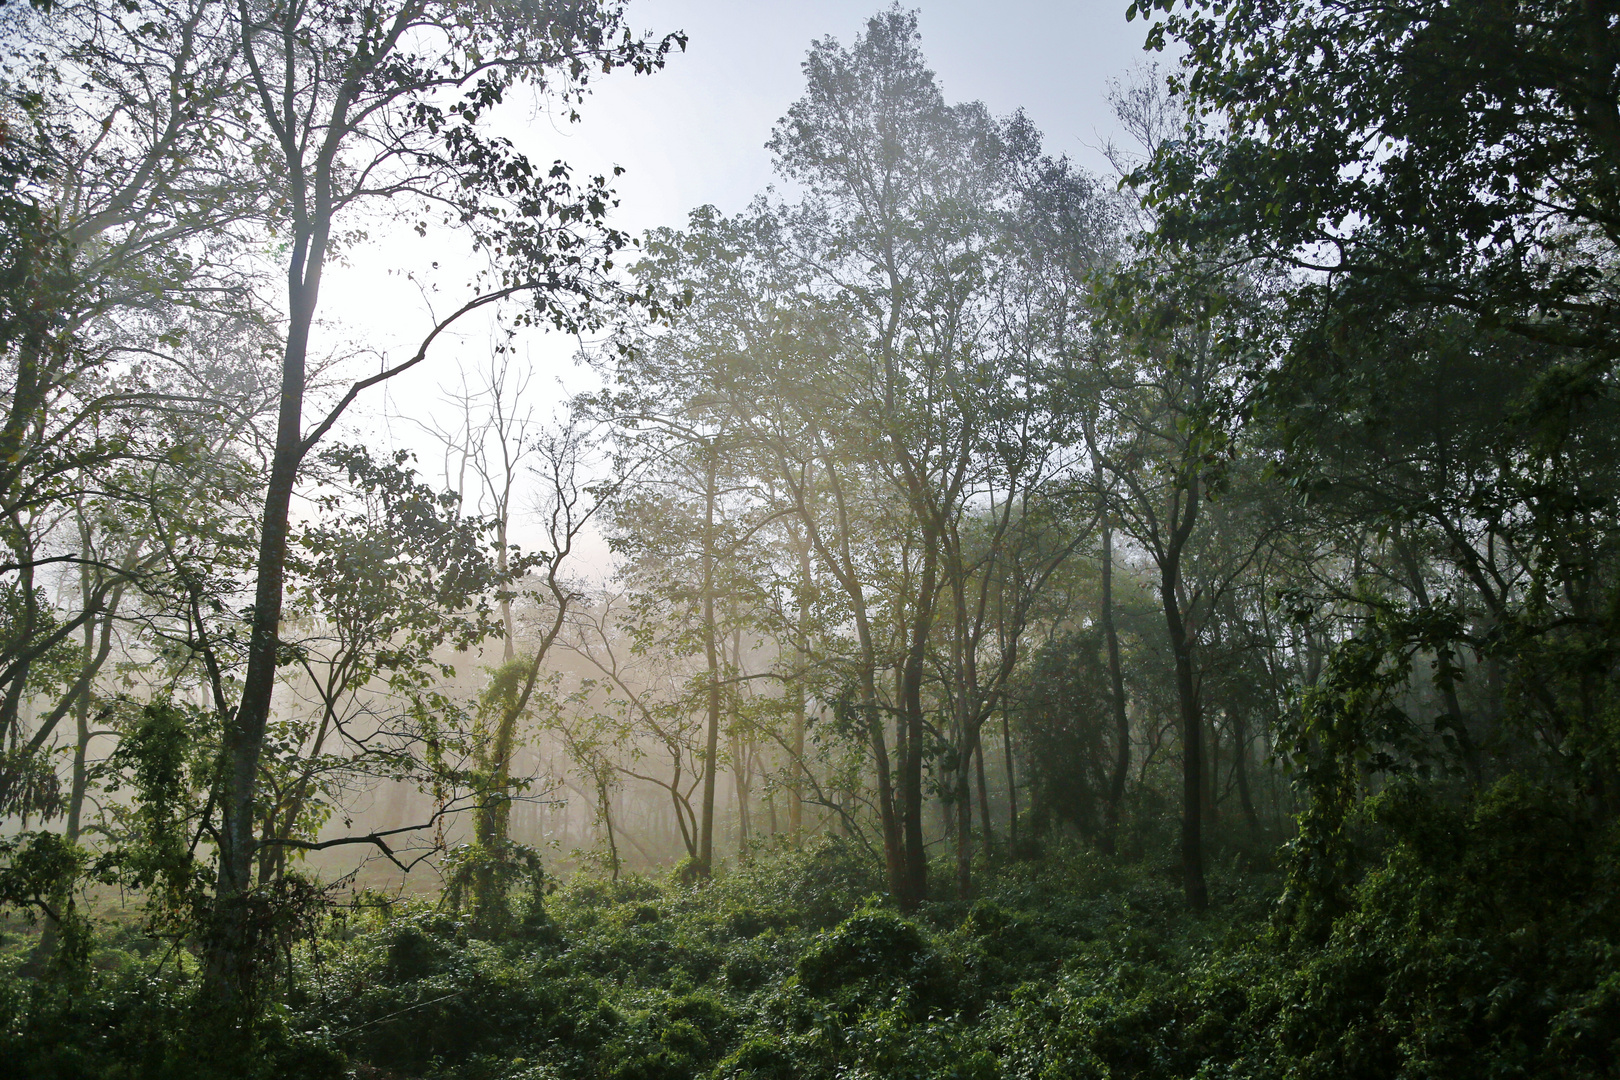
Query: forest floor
pixel 1479 943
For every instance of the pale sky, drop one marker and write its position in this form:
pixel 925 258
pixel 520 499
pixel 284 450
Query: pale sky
pixel 695 132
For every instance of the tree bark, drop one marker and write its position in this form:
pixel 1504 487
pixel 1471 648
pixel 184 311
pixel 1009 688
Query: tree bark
pixel 1240 772
pixel 1012 784
pixel 911 715
pixel 984 790
pixel 796 791
pixel 1212 772
pixel 711 655
pixel 1192 757
pixel 1116 686
pixel 838 556
pixel 607 823
pixel 244 731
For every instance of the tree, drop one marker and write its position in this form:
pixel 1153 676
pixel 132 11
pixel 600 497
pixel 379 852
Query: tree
pixel 497 435
pixel 120 158
pixel 1175 458
pixel 568 507
pixel 484 456
pixel 904 212
pixel 1064 711
pixel 382 106
pixel 750 346
pixel 685 525
pixel 1433 153
pixel 633 696
pixel 1438 181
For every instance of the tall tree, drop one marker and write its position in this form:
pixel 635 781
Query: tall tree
pixel 120 157
pixel 901 195
pixel 1439 182
pixel 383 106
pixel 751 342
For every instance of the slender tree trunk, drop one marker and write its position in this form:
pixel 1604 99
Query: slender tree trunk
pixel 984 790
pixel 509 637
pixel 1212 773
pixel 81 774
pixel 743 782
pixel 911 710
pixel 964 694
pixel 796 791
pixel 711 655
pixel 1012 783
pixel 1240 772
pixel 605 801
pixel 1192 788
pixel 683 813
pixel 743 753
pixel 1116 687
pixel 227 963
pixel 888 819
pixel 963 807
pixel 91 658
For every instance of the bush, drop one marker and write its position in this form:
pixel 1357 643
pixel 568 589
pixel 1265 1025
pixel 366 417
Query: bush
pixel 1478 940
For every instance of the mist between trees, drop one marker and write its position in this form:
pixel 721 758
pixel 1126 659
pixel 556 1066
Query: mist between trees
pixel 1012 565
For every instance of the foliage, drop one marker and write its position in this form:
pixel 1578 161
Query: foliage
pixel 1477 937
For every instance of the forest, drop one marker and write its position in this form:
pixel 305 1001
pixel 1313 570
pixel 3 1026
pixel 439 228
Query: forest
pixel 979 617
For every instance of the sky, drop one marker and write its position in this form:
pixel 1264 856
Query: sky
pixel 695 132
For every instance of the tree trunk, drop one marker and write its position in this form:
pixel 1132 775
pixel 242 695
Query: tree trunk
pixel 1012 784
pixel 491 821
pixel 607 824
pixel 1192 757
pixel 796 791
pixel 888 819
pixel 741 768
pixel 1116 685
pixel 227 962
pixel 1212 773
pixel 502 565
pixel 711 655
pixel 984 790
pixel 1240 772
pixel 963 805
pixel 911 710
pixel 743 753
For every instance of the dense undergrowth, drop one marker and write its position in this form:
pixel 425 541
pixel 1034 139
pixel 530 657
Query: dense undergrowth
pixel 1476 940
